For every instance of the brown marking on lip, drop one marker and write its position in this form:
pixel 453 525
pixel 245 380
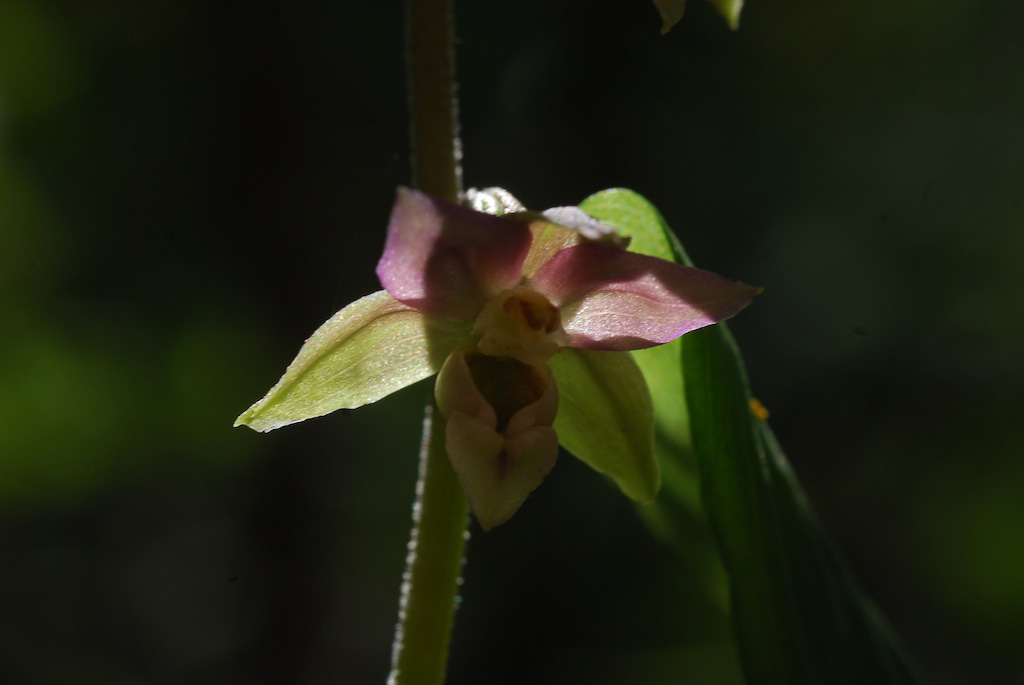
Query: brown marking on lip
pixel 507 384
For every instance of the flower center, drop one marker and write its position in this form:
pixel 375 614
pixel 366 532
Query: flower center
pixel 533 311
pixel 520 323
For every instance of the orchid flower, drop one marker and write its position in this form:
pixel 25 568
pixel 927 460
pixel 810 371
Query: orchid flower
pixel 506 309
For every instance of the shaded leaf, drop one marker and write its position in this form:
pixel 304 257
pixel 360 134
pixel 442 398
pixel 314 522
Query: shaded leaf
pixel 799 615
pixel 676 517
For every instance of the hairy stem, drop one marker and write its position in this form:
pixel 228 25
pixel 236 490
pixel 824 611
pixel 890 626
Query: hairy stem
pixel 432 101
pixel 434 562
pixel 433 566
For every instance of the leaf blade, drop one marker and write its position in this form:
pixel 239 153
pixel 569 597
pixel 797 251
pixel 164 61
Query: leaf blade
pixel 799 615
pixel 676 517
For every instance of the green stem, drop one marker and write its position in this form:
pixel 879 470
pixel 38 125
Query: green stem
pixel 434 562
pixel 433 566
pixel 430 35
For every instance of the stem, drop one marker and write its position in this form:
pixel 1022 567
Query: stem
pixel 433 566
pixel 433 107
pixel 434 562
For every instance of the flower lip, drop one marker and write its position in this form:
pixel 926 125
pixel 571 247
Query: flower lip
pixel 498 435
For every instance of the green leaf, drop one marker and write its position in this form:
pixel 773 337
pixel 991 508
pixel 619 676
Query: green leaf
pixel 799 615
pixel 676 517
pixel 368 350
pixel 605 418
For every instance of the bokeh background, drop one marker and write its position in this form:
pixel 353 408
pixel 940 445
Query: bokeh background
pixel 188 189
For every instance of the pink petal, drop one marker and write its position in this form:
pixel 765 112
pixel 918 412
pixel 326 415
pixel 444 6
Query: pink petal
pixel 611 299
pixel 447 260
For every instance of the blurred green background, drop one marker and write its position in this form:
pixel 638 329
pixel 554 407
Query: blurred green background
pixel 188 189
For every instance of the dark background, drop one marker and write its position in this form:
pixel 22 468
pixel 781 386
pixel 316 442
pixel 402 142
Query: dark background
pixel 188 189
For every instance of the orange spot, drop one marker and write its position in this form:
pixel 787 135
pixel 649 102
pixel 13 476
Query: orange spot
pixel 758 409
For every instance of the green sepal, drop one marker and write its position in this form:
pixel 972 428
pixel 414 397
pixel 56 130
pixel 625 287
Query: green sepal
pixel 677 517
pixel 605 418
pixel 662 366
pixel 368 350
